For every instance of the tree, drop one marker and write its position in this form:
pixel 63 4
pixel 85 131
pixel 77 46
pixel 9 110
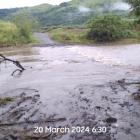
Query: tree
pixel 108 28
pixel 26 25
pixel 136 10
pixel 135 6
pixel 8 34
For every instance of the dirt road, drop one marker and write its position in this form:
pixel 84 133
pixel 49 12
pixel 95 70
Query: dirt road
pixel 43 38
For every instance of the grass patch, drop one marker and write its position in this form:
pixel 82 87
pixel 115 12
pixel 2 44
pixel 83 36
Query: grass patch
pixel 12 35
pixel 5 101
pixel 70 35
pixel 75 35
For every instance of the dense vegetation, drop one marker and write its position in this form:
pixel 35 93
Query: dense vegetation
pixel 8 34
pixel 136 6
pixel 108 23
pixel 12 34
pixel 109 28
pixel 69 35
pixel 136 10
pixel 75 12
pixel 4 13
pixel 93 3
pixel 104 28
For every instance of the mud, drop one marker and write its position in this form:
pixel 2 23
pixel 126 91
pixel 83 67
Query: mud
pixel 64 88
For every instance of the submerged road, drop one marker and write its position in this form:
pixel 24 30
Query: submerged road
pixel 72 86
pixel 43 38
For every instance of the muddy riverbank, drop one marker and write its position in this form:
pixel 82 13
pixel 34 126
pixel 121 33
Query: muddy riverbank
pixel 69 87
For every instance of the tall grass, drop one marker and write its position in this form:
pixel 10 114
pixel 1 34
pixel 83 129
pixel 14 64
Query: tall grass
pixel 11 35
pixel 69 35
pixel 8 34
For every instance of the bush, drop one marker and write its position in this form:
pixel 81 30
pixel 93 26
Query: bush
pixel 12 34
pixel 109 28
pixel 135 6
pixel 8 34
pixel 24 25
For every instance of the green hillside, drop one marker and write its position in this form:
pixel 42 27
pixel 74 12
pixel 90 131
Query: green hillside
pixel 92 3
pixel 6 12
pixel 35 10
pixel 63 15
pixel 75 12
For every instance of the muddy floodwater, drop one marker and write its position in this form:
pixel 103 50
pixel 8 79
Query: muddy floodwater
pixel 72 86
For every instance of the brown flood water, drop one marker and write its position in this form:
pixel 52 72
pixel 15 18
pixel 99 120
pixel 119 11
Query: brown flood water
pixel 85 85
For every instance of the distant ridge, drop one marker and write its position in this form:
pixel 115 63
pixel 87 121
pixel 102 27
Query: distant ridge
pixel 75 12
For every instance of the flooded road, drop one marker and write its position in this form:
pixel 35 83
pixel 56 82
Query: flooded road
pixel 72 86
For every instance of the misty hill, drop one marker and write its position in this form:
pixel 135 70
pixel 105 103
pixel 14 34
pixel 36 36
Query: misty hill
pixel 6 12
pixel 92 3
pixel 74 12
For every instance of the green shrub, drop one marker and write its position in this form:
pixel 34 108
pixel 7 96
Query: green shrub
pixel 135 6
pixel 24 25
pixel 12 34
pixel 8 34
pixel 109 28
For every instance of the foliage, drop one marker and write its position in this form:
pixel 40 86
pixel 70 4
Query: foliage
pixel 136 6
pixel 8 34
pixel 68 13
pixel 78 35
pixel 6 12
pixel 24 25
pixel 69 35
pixel 109 28
pixel 92 3
pixel 12 34
pixel 136 10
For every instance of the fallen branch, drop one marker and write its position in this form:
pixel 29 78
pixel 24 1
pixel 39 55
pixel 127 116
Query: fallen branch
pixel 16 63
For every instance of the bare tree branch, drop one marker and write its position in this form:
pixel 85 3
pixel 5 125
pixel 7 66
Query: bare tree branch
pixel 16 63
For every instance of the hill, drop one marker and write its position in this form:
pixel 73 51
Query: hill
pixel 6 12
pixel 75 12
pixel 92 3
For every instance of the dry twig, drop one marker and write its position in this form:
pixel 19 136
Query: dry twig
pixel 16 63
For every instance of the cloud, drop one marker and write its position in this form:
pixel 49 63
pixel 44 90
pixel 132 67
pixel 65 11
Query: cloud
pixel 121 6
pixel 84 9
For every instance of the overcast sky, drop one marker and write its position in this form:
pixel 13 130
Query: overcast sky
pixel 23 3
